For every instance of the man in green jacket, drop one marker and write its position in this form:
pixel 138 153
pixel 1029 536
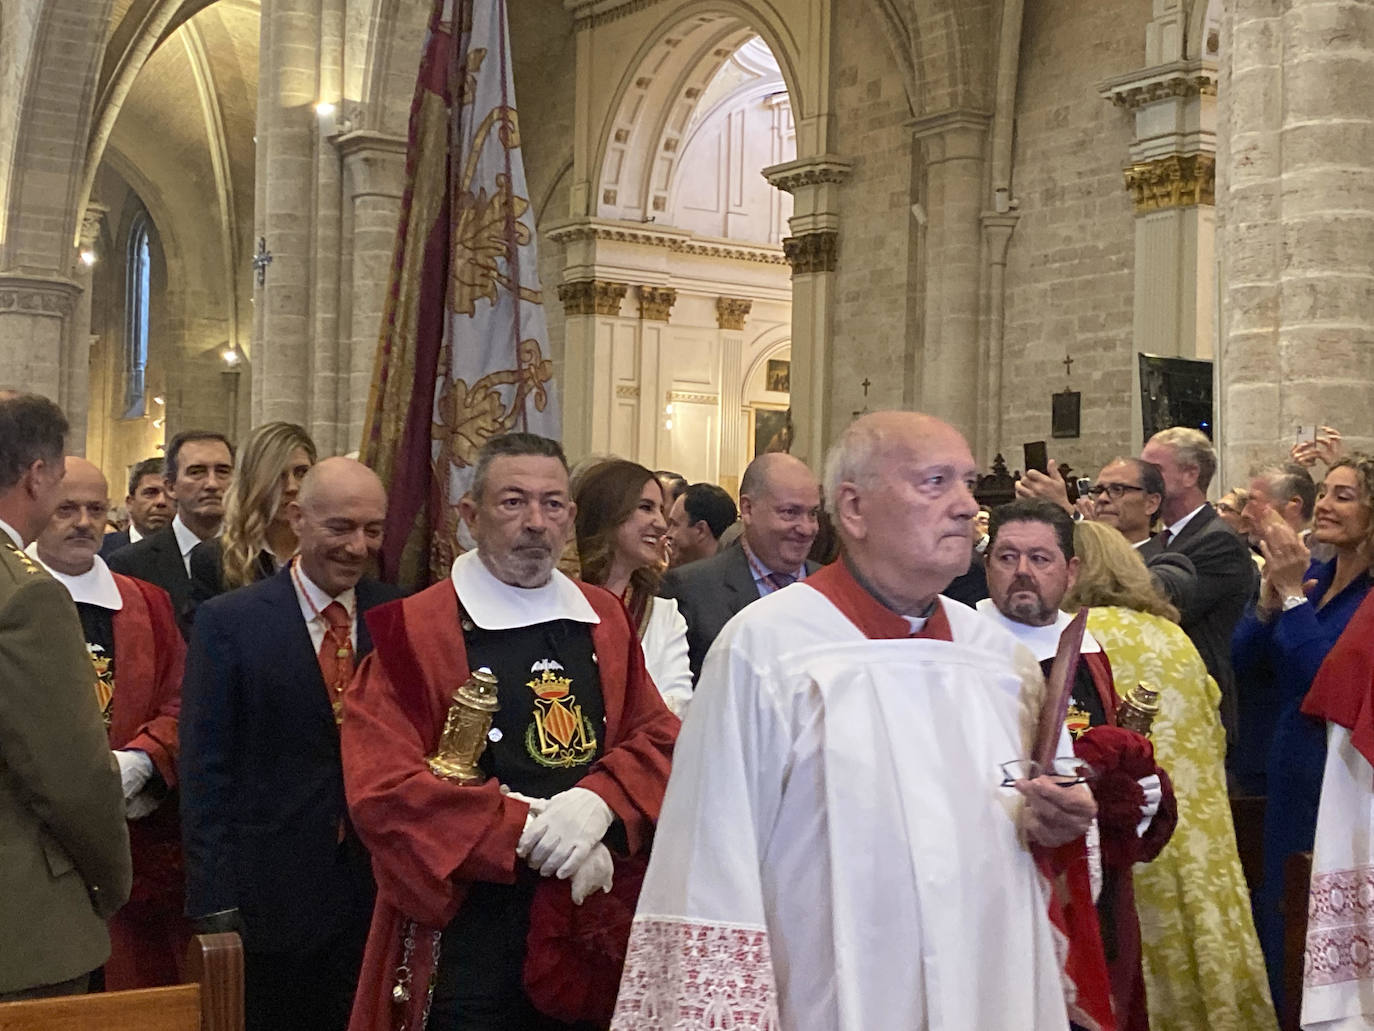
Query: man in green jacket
pixel 63 835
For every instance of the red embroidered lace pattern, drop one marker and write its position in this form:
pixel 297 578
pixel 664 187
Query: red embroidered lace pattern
pixel 684 976
pixel 1340 927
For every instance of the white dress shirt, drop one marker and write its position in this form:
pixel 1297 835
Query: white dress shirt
pixel 1176 528
pixel 186 541
pixel 13 534
pixel 312 600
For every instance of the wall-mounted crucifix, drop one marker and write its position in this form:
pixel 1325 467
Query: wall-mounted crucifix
pixel 864 410
pixel 261 260
pixel 1068 366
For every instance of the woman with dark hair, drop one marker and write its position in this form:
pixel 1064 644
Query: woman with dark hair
pixel 257 538
pixel 620 529
pixel 1277 648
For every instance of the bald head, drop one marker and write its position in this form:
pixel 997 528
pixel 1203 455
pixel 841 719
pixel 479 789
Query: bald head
pixel 899 486
pixel 72 537
pixel 779 505
pixel 338 517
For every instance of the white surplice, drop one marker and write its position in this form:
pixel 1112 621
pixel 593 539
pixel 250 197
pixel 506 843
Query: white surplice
pixel 1338 979
pixel 835 852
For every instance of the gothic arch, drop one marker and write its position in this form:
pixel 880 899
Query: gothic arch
pixel 1204 21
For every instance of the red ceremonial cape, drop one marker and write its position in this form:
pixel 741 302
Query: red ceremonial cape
pixel 1343 690
pixel 149 935
pixel 429 837
pixel 1087 986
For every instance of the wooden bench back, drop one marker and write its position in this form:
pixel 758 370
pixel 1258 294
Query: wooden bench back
pixel 211 1001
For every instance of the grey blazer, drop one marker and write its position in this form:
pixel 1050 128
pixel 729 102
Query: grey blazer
pixel 709 593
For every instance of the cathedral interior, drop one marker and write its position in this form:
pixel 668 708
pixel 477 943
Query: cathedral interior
pixel 755 218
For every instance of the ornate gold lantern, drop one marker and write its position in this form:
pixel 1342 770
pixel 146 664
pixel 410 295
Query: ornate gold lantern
pixel 465 730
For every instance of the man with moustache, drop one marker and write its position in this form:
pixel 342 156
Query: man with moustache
pixel 269 848
pixel 138 657
pixel 63 838
pixel 779 505
pixel 200 464
pixel 149 507
pixel 698 517
pixel 836 851
pixel 479 883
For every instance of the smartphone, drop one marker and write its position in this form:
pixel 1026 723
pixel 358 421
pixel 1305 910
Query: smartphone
pixel 1084 484
pixel 1037 456
pixel 1307 435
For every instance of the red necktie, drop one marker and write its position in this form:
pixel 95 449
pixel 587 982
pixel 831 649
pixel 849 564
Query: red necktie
pixel 336 654
pixel 1164 536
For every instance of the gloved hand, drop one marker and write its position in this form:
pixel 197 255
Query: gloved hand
pixel 1154 794
pixel 559 838
pixel 595 874
pixel 135 770
pixel 140 805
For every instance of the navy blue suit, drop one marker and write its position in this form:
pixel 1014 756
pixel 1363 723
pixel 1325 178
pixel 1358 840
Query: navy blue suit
pixel 113 542
pixel 262 802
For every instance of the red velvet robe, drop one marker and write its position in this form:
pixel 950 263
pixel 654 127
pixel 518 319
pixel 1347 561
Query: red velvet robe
pixel 428 837
pixel 149 935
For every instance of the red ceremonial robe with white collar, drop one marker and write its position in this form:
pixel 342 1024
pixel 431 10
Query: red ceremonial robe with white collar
pixel 429 838
pixel 149 935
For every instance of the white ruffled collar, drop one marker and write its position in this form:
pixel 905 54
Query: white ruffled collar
pixel 1043 641
pixel 96 586
pixel 494 605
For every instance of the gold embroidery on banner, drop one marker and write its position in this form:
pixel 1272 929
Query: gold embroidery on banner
pixel 560 735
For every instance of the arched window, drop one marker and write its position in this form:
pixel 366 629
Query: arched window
pixel 139 282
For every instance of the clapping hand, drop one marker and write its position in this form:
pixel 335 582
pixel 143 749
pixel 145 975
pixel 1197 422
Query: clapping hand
pixel 1286 559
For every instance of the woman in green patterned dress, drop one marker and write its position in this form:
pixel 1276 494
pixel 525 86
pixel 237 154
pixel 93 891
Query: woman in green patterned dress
pixel 1203 967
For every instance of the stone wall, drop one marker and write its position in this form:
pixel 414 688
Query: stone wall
pixel 1071 259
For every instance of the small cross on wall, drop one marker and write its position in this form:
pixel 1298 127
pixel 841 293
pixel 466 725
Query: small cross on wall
pixel 1068 365
pixel 261 260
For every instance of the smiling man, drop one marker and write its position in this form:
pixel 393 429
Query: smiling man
pixel 575 762
pixel 779 505
pixel 269 849
pixel 835 807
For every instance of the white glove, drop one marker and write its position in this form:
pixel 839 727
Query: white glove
pixel 135 770
pixel 559 838
pixel 537 805
pixel 595 874
pixel 1154 794
pixel 140 806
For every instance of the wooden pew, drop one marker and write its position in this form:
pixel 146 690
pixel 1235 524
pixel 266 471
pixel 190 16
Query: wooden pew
pixel 1297 880
pixel 211 1000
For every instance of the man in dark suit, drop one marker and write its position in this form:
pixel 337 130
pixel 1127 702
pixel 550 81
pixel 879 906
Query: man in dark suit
pixel 200 465
pixel 1226 575
pixel 268 845
pixel 150 509
pixel 779 505
pixel 64 845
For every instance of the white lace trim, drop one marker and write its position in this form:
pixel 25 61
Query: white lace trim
pixel 681 975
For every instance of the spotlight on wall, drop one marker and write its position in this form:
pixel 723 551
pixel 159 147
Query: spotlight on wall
pixel 87 257
pixel 324 109
pixel 231 357
pixel 159 423
pixel 158 399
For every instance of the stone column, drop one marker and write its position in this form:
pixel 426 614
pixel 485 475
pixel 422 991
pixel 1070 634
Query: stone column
pixel 947 379
pixel 812 251
pixel 34 313
pixel 1295 223
pixel 75 394
pixel 374 178
pixel 587 377
pixel 287 136
pixel 730 315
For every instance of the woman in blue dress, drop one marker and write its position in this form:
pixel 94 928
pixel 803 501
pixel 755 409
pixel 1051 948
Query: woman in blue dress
pixel 1302 608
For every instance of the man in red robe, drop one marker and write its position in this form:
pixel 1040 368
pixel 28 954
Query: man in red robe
pixel 482 888
pixel 138 654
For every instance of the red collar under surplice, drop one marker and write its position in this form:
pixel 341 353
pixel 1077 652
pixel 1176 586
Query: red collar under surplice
pixel 872 617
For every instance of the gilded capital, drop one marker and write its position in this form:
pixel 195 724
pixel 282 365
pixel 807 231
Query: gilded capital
pixel 655 302
pixel 811 252
pixel 592 297
pixel 1173 181
pixel 732 311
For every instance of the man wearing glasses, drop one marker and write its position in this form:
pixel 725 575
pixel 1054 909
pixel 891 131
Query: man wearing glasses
pixel 1127 496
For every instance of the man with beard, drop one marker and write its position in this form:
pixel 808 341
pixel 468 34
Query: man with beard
pixel 138 656
pixel 779 506
pixel 1031 567
pixel 476 880
pixel 199 466
pixel 149 507
pixel 269 849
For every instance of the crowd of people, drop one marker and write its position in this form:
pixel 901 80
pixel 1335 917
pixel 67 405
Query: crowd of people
pixel 836 754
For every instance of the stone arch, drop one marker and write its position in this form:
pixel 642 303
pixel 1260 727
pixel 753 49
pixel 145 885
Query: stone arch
pixel 395 37
pixel 54 124
pixel 1204 25
pixel 679 55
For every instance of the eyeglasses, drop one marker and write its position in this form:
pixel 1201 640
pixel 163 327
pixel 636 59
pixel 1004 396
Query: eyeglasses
pixel 1115 491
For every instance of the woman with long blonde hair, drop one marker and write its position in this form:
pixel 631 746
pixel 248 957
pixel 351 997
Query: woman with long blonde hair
pixel 1201 956
pixel 256 539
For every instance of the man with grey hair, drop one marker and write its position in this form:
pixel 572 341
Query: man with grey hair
pixel 779 507
pixel 1283 492
pixel 836 805
pixel 1226 577
pixel 471 875
pixel 66 866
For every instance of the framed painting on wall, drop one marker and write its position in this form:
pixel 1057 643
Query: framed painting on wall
pixel 778 376
pixel 772 429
